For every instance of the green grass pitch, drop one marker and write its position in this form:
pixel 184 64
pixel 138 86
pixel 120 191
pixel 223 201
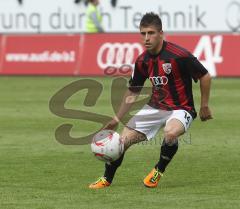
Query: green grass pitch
pixel 37 172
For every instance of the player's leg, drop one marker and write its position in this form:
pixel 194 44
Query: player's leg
pixel 173 129
pixel 175 126
pixel 129 137
pixel 169 147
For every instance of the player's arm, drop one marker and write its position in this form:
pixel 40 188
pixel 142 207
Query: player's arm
pixel 205 85
pixel 135 85
pixel 128 100
pixel 199 72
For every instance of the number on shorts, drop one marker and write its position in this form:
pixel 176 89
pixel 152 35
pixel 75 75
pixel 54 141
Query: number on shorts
pixel 187 118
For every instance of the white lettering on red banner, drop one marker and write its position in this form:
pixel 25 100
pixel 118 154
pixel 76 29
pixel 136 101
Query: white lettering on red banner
pixel 208 50
pixel 118 54
pixel 45 56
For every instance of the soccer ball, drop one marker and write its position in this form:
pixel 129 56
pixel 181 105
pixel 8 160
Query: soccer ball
pixel 107 145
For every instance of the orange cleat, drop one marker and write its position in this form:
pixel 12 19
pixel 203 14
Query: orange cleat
pixel 152 179
pixel 100 183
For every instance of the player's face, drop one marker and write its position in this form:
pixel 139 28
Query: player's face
pixel 152 38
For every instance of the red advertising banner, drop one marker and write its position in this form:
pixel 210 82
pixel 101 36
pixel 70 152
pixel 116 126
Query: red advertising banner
pixel 40 54
pixel 218 53
pixel 1 52
pixel 105 54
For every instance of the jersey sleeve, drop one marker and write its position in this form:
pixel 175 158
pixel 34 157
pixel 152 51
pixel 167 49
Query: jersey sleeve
pixel 138 78
pixel 195 68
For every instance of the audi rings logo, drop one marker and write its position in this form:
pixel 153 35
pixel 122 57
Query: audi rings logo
pixel 116 55
pixel 159 80
pixel 233 16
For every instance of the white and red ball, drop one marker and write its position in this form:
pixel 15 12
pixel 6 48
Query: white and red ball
pixel 107 145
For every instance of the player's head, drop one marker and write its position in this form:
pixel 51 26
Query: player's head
pixel 151 31
pixel 151 19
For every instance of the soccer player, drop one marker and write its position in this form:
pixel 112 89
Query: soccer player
pixel 171 69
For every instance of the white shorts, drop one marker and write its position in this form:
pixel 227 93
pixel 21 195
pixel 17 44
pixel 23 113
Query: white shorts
pixel 149 120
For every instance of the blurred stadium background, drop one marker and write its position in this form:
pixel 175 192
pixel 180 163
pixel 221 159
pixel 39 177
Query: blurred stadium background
pixel 44 47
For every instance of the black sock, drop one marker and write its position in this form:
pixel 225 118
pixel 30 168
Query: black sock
pixel 166 155
pixel 110 169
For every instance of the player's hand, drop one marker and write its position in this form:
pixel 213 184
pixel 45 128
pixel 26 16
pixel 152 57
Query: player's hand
pixel 112 125
pixel 205 113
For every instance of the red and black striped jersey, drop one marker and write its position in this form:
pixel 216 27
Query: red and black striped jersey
pixel 171 72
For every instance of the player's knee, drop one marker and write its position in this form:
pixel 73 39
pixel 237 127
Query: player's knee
pixel 130 137
pixel 169 134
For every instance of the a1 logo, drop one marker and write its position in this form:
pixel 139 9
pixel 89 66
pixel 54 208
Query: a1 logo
pixel 210 48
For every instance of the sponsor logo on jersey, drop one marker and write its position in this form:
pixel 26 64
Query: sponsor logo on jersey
pixel 159 80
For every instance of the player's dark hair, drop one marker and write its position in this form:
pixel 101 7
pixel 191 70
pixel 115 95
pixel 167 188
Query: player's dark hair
pixel 151 19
